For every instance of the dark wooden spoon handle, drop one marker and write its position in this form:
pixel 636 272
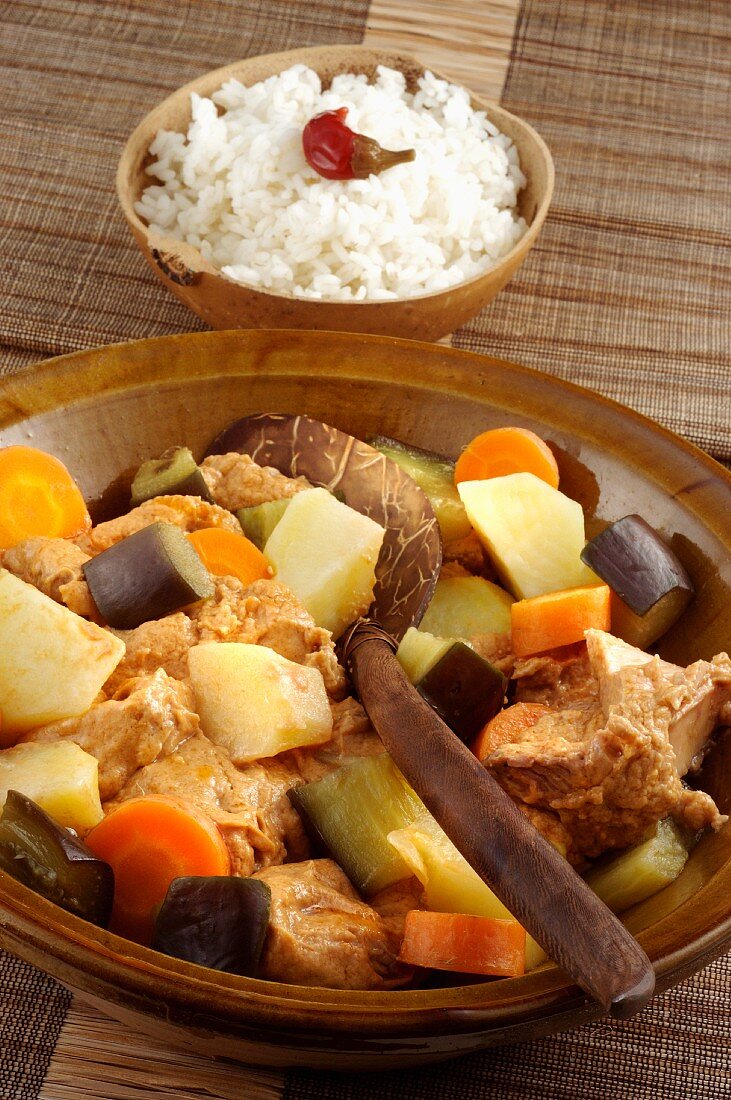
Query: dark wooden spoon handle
pixel 529 876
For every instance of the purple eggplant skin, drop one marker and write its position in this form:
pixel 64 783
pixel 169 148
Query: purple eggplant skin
pixel 147 575
pixel 464 689
pixel 53 861
pixel 216 921
pixel 636 564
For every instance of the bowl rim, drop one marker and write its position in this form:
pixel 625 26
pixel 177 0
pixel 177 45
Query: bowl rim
pixel 143 134
pixel 82 955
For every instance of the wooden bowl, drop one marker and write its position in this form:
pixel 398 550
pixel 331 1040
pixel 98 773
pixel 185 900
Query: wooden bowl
pixel 225 304
pixel 103 411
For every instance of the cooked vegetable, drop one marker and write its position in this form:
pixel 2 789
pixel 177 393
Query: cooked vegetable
pixel 650 584
pixel 558 618
pixel 259 521
pixel 462 607
pixel 53 663
pixel 147 575
pixel 220 922
pixel 339 153
pixel 467 944
pixel 60 778
pixel 635 875
pixel 436 477
pixel 507 726
pixel 352 811
pixel 148 842
pixel 326 553
pixel 53 862
pixel 533 533
pixel 227 554
pixel 464 689
pixel 504 451
pixel 450 884
pixel 419 651
pixel 176 472
pixel 38 496
pixel 255 703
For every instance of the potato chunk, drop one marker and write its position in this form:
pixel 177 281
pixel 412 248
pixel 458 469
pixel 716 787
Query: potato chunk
pixel 53 663
pixel 60 777
pixel 533 533
pixel 255 703
pixel 326 553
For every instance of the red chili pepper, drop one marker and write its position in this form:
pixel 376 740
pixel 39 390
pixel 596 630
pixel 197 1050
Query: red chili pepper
pixel 338 153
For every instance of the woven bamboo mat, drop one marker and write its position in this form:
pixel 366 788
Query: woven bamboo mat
pixel 627 291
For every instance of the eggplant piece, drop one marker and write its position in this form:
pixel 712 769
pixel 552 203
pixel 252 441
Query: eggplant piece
pixel 352 811
pixel 52 861
pixel 259 521
pixel 651 585
pixel 147 575
pixel 464 689
pixel 634 875
pixel 435 476
pixel 217 921
pixel 174 473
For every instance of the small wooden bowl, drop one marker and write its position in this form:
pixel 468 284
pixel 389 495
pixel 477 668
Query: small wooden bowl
pixel 105 410
pixel 225 304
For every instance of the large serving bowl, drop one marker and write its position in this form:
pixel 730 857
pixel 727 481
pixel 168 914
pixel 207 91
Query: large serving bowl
pixel 103 411
pixel 225 304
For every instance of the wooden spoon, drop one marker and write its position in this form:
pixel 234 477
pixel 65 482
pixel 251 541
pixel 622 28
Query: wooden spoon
pixel 529 876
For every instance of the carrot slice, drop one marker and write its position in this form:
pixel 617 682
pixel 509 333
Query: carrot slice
pixel 148 842
pixel 230 555
pixel 558 618
pixel 507 726
pixel 470 945
pixel 38 496
pixel 504 451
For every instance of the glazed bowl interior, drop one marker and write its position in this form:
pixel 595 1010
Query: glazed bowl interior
pixel 225 304
pixel 105 410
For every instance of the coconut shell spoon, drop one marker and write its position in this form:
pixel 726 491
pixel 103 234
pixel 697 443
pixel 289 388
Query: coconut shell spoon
pixel 529 876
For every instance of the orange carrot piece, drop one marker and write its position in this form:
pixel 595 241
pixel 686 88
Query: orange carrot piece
pixel 558 618
pixel 148 842
pixel 470 945
pixel 507 726
pixel 38 496
pixel 230 555
pixel 504 451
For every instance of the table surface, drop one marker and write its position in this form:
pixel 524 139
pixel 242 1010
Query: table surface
pixel 471 41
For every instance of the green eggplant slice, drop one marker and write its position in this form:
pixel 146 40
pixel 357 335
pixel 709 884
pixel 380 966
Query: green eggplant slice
pixel 352 811
pixel 147 575
pixel 259 520
pixel 174 473
pixel 53 862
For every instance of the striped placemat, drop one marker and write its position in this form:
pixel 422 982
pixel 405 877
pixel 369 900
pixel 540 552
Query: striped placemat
pixel 625 292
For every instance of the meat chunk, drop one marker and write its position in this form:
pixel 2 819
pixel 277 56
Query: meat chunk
pixel 469 554
pixel 699 693
pixel 249 806
pixel 267 613
pixel 609 776
pixel 188 513
pixel 353 736
pixel 320 933
pixel 558 678
pixel 159 643
pixel 146 720
pixel 236 481
pixel 53 566
pixel 497 649
pixel 395 901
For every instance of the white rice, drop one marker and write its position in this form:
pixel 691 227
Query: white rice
pixel 238 188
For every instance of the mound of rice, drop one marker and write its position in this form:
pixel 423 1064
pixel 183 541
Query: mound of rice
pixel 238 188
